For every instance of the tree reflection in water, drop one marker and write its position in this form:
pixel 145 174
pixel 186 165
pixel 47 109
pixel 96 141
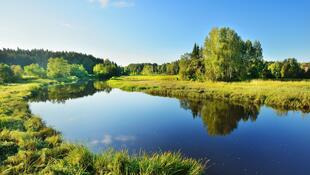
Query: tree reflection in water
pixel 61 93
pixel 219 117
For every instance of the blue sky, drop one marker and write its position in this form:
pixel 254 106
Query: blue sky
pixel 159 31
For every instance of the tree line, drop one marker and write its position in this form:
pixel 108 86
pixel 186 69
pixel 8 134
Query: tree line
pixel 39 56
pixel 225 57
pixel 60 69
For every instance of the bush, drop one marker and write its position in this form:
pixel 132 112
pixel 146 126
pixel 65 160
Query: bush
pixel 78 70
pixel 17 71
pixel 58 68
pixel 34 70
pixel 6 74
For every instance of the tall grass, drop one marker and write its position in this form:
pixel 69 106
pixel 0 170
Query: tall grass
pixel 27 146
pixel 293 95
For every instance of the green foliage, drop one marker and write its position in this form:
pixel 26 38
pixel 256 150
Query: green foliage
pixel 58 68
pixel 78 71
pixel 275 69
pixel 290 69
pixel 152 69
pixel 173 68
pixel 149 70
pixel 107 69
pixel 191 65
pixel 40 56
pixel 253 55
pixel 34 70
pixel 6 74
pixel 17 71
pixel 224 59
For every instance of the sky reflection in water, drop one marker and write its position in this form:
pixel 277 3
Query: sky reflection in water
pixel 239 139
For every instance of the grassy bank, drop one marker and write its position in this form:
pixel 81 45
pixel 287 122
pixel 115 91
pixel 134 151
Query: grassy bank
pixel 290 95
pixel 28 146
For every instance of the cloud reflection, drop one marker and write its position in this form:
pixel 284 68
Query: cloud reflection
pixel 109 139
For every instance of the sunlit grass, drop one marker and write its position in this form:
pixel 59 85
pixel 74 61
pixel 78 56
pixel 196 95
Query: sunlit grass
pixel 282 94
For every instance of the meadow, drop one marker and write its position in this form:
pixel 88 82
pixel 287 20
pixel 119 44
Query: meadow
pixel 286 95
pixel 28 146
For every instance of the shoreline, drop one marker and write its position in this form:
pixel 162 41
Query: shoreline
pixel 29 146
pixel 289 95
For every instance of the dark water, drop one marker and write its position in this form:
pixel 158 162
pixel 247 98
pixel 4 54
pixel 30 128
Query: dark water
pixel 238 139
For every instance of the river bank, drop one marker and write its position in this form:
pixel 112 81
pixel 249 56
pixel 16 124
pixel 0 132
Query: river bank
pixel 285 95
pixel 28 146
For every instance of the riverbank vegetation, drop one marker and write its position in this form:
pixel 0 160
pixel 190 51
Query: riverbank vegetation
pixel 293 95
pixel 28 146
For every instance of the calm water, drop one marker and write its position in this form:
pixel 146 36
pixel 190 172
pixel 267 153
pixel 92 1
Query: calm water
pixel 237 139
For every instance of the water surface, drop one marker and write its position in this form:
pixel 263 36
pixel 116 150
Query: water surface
pixel 238 139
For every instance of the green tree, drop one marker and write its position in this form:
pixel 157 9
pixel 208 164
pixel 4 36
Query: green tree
pixel 290 68
pixel 6 74
pixel 173 68
pixel 107 69
pixel 78 71
pixel 223 55
pixel 148 70
pixel 265 72
pixel 253 54
pixel 196 52
pixel 184 63
pixel 17 71
pixel 34 70
pixel 275 69
pixel 58 68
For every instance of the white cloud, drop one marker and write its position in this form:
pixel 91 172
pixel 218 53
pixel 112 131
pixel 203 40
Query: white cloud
pixel 114 3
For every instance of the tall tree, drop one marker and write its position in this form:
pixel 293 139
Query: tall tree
pixel 253 54
pixel 223 55
pixel 196 52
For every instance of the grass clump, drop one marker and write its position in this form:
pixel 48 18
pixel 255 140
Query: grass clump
pixel 82 161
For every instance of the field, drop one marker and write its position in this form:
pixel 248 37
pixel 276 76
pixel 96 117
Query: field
pixel 287 95
pixel 28 146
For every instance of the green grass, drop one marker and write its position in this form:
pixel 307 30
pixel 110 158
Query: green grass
pixel 290 95
pixel 28 146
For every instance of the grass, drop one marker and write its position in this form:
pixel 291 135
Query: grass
pixel 289 95
pixel 28 146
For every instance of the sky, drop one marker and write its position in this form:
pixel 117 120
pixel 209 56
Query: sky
pixel 131 31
